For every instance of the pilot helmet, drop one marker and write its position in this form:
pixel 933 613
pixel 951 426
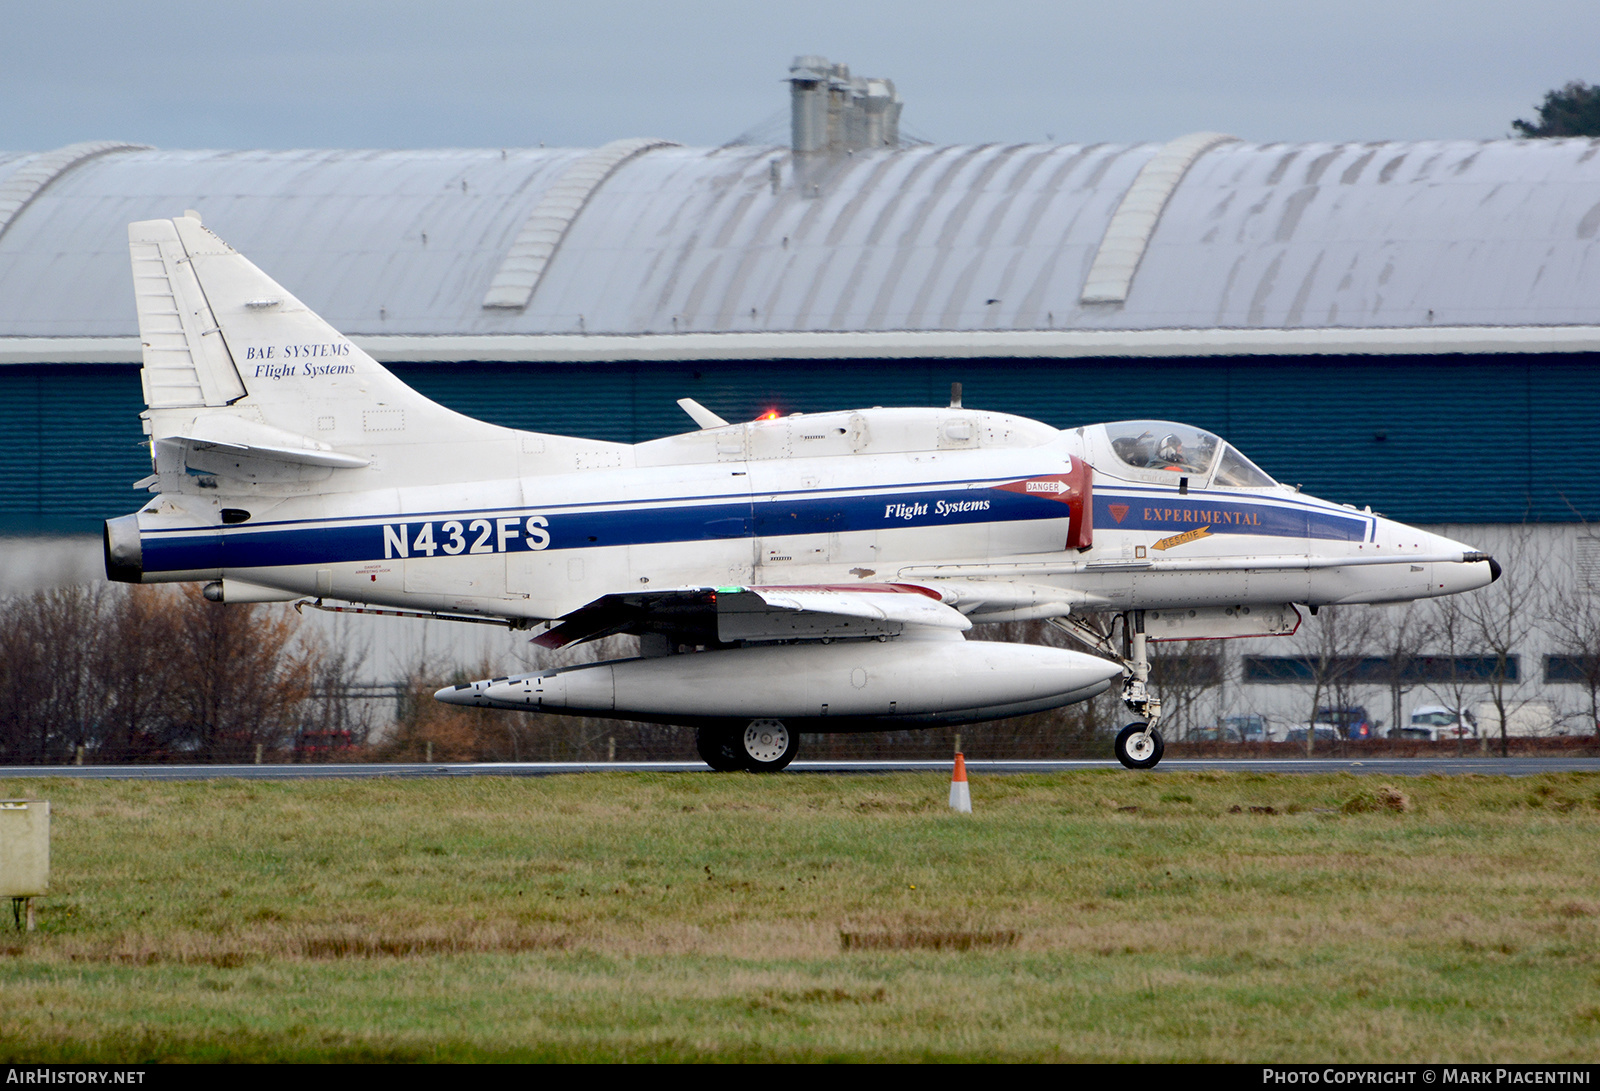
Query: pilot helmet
pixel 1170 449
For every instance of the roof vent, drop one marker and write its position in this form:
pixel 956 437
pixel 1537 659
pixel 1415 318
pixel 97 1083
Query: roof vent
pixel 831 111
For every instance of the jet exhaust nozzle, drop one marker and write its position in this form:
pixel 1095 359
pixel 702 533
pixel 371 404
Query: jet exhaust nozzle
pixel 123 551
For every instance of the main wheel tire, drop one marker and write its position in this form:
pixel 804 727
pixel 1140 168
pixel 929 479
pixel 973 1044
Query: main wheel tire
pixel 767 746
pixel 719 749
pixel 1139 746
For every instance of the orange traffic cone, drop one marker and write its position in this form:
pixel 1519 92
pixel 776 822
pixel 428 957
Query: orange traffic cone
pixel 960 794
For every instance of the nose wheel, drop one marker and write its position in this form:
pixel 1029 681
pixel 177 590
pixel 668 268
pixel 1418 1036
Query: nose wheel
pixel 1139 746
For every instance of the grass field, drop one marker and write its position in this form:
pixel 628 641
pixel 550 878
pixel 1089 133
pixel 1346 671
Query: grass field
pixel 1094 916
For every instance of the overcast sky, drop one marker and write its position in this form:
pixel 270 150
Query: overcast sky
pixel 321 73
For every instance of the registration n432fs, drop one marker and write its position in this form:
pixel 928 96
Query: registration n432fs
pixel 805 573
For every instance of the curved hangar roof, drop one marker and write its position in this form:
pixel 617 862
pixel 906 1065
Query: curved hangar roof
pixel 642 249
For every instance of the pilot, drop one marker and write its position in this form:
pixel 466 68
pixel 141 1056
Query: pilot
pixel 1169 454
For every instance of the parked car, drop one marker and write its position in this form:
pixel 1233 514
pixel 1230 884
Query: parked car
pixel 1352 721
pixel 1245 728
pixel 1232 729
pixel 1326 733
pixel 1523 719
pixel 321 745
pixel 1437 723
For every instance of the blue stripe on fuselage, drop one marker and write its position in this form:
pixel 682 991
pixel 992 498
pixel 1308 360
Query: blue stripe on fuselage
pixel 1224 515
pixel 680 520
pixel 332 542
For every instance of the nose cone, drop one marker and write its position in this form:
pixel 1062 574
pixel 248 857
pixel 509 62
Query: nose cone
pixel 1475 569
pixel 1411 563
pixel 1452 579
pixel 1094 676
pixel 1091 669
pixel 465 694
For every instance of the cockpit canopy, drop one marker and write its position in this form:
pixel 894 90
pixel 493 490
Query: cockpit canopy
pixel 1161 450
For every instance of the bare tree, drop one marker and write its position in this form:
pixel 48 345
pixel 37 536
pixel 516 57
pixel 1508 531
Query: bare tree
pixel 1341 638
pixel 426 729
pixel 240 682
pixel 1456 637
pixel 130 673
pixel 1399 634
pixel 52 698
pixel 137 666
pixel 333 718
pixel 1501 618
pixel 1185 673
pixel 1572 622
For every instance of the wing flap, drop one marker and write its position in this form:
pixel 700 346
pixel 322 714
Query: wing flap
pixel 687 614
pixel 705 615
pixel 902 604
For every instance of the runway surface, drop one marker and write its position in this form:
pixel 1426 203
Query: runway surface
pixel 1402 767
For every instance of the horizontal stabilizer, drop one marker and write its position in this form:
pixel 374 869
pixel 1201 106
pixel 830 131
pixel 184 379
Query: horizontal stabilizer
pixel 231 446
pixel 295 456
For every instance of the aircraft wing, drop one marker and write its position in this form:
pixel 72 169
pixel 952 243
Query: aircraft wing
pixel 707 615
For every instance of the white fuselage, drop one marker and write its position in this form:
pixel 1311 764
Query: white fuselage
pixel 833 498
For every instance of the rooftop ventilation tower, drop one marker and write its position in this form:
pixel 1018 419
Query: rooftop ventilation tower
pixel 833 112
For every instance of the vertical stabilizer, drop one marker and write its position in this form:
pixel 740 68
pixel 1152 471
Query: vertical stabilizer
pixel 223 342
pixel 248 388
pixel 186 361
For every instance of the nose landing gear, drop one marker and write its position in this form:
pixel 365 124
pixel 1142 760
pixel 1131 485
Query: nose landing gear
pixel 1139 745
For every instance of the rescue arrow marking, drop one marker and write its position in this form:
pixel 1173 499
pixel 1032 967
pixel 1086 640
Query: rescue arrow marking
pixel 1186 536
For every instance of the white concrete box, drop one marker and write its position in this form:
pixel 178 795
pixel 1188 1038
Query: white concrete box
pixel 24 847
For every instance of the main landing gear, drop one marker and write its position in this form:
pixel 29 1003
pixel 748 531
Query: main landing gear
pixel 1139 745
pixel 764 746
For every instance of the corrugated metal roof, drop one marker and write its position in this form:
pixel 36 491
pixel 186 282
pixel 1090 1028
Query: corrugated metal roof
pixel 375 240
pixel 747 239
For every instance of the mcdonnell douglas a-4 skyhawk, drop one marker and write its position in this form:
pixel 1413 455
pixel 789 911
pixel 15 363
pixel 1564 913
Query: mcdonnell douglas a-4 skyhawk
pixel 805 573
